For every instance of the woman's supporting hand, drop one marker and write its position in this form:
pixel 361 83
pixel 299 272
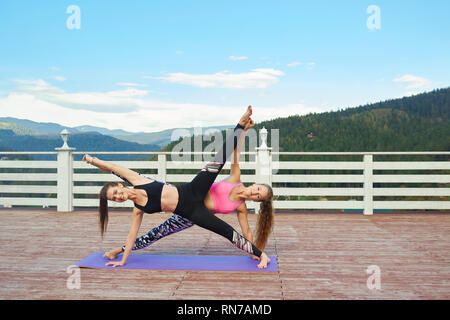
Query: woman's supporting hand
pixel 111 255
pixel 115 264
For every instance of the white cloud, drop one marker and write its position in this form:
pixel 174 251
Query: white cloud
pixel 58 78
pixel 307 65
pixel 38 85
pixel 414 82
pixel 131 109
pixel 148 117
pixel 237 58
pixel 111 101
pixel 130 84
pixel 257 78
pixel 117 98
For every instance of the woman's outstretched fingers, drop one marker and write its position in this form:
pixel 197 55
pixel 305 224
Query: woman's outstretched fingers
pixel 115 264
pixel 87 158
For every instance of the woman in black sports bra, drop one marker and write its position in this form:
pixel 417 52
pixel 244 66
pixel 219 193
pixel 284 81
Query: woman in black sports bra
pixel 186 200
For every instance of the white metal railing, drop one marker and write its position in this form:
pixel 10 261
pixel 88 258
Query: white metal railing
pixel 61 183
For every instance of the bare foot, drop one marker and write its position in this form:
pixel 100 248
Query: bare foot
pixel 264 261
pixel 246 116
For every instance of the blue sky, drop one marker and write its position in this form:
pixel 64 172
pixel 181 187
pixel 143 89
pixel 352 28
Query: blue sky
pixel 154 65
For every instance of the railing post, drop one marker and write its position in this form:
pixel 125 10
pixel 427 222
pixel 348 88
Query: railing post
pixel 161 167
pixel 65 176
pixel 368 184
pixel 263 163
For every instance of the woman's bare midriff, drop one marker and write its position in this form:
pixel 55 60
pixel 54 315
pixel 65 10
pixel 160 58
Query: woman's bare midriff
pixel 169 198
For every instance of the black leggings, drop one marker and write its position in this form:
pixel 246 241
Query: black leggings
pixel 192 194
pixel 191 208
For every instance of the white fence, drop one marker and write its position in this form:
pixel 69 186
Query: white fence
pixel 62 183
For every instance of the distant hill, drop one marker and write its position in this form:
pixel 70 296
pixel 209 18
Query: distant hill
pixel 91 141
pixel 28 127
pixel 415 123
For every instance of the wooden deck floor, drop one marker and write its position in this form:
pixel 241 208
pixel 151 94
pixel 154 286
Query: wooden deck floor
pixel 320 256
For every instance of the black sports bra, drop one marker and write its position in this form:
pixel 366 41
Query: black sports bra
pixel 154 190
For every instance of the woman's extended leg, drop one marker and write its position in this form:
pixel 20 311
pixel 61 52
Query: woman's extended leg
pixel 172 225
pixel 206 177
pixel 203 218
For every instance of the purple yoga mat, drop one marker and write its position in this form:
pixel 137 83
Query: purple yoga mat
pixel 180 262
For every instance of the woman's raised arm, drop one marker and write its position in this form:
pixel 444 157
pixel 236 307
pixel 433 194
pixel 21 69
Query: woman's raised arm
pixel 133 177
pixel 136 221
pixel 235 173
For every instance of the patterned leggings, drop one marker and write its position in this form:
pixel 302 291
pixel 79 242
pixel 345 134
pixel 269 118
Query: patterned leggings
pixel 172 225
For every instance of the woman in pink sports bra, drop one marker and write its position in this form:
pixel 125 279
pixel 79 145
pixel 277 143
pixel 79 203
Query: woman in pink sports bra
pixel 225 196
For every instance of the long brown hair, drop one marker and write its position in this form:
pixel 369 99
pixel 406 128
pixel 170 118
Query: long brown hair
pixel 103 206
pixel 265 221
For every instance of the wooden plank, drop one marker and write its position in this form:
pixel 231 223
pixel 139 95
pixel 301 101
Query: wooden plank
pixel 77 202
pixel 319 256
pixel 28 164
pixel 411 205
pixel 27 189
pixel 22 201
pixel 360 192
pixel 318 191
pixel 320 165
pixel 433 192
pixel 28 176
pixel 411 178
pixel 411 165
pixel 298 204
pixel 336 178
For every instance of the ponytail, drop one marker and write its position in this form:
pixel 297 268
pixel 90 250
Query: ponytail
pixel 265 221
pixel 103 207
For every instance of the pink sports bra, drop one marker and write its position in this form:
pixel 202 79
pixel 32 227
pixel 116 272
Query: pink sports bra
pixel 220 192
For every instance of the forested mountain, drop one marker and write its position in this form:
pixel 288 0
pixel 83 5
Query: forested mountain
pixel 416 123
